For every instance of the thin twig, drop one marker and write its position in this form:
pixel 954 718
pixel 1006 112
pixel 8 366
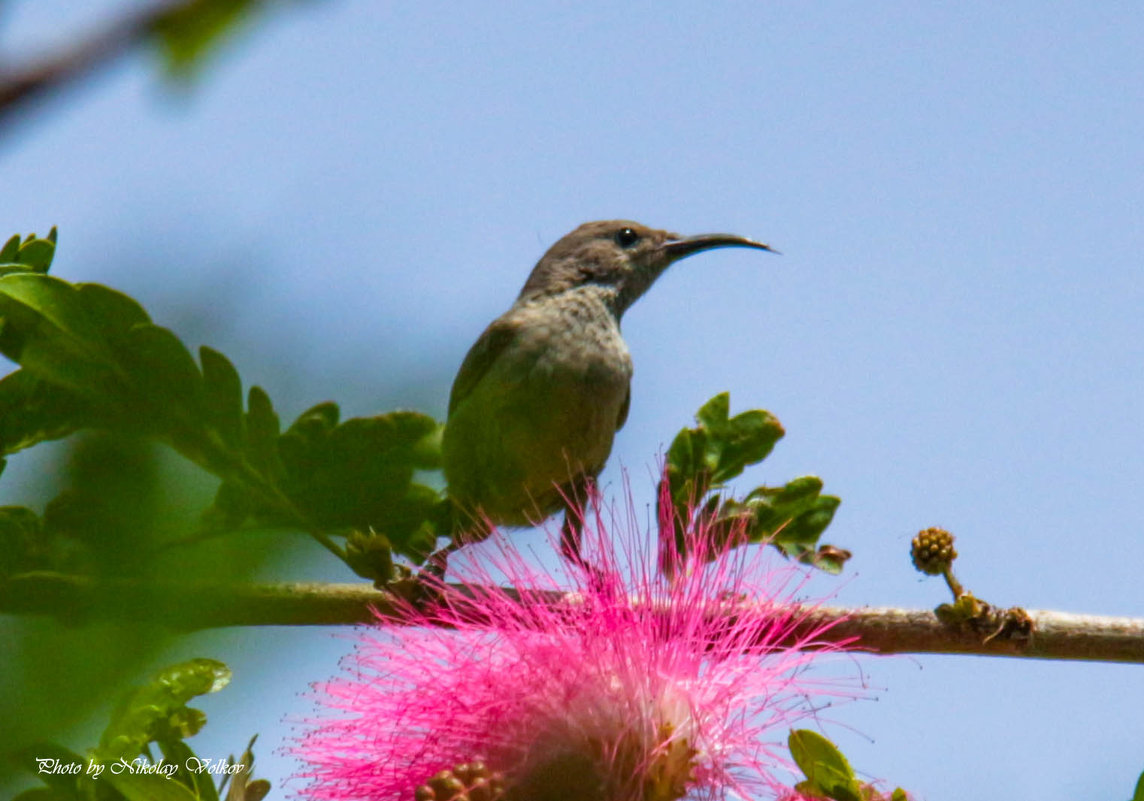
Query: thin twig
pixel 190 606
pixel 23 85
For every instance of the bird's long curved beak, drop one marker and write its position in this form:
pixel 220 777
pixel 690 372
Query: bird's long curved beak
pixel 685 246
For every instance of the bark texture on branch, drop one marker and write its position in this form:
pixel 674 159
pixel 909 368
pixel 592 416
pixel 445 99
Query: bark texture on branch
pixel 186 606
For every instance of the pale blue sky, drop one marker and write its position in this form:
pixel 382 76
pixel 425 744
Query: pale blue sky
pixel 953 335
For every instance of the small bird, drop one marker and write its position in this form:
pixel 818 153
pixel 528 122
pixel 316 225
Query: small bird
pixel 542 392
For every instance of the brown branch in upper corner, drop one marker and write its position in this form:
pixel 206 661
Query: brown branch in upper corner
pixel 183 606
pixel 20 86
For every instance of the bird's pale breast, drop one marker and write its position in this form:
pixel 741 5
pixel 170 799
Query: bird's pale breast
pixel 545 412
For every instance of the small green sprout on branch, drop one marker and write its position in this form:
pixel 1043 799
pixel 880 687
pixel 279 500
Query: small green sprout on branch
pixel 703 459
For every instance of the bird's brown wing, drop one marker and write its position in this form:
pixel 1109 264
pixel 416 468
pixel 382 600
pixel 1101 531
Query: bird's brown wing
pixel 623 415
pixel 479 359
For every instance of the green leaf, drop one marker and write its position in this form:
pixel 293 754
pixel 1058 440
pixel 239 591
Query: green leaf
pixel 147 787
pixel 10 249
pixel 255 790
pixel 91 357
pixel 112 312
pixel 359 474
pixel 158 710
pixel 792 518
pixel 826 769
pixel 22 543
pixel 27 759
pixel 33 254
pixel 242 786
pixel 37 254
pixel 1138 795
pixel 702 459
pixel 719 449
pixel 54 299
pixel 107 365
pixel 163 371
pixel 262 427
pixel 735 442
pixel 100 345
pixel 191 30
pixel 715 411
pixel 314 424
pixel 48 331
pixel 178 753
pixel 33 410
pixel 233 505
pixel 222 396
pixel 47 794
pixel 355 475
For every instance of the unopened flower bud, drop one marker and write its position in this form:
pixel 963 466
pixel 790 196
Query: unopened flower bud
pixel 932 551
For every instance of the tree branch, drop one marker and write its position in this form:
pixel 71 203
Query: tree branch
pixel 21 86
pixel 190 606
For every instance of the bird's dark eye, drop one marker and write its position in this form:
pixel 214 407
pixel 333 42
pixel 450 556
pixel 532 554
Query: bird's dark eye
pixel 626 237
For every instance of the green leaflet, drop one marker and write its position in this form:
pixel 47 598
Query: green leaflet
pixel 190 31
pixel 701 460
pixel 222 398
pixel 33 410
pixel 351 476
pixel 31 254
pixel 123 767
pixel 158 710
pixel 47 328
pixel 827 772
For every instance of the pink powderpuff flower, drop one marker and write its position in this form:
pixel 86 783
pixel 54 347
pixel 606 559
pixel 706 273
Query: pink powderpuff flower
pixel 609 684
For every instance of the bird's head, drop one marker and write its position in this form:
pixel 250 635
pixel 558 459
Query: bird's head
pixel 621 257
